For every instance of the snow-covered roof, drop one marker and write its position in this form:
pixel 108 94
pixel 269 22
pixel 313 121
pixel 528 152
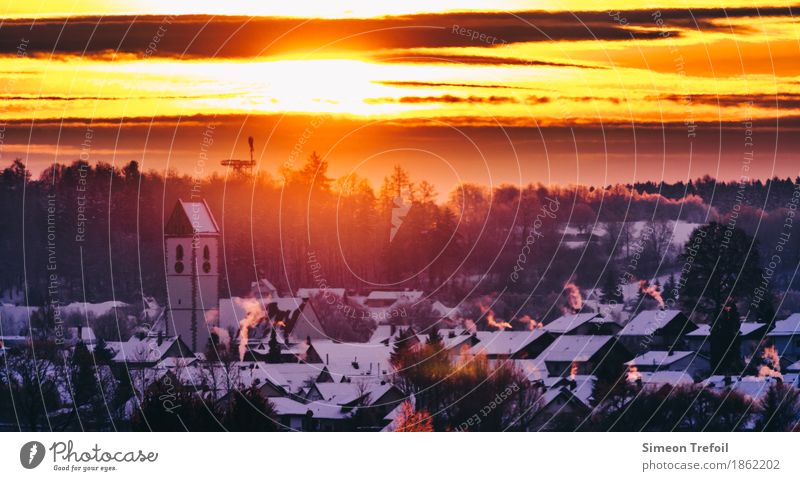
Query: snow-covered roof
pixel 647 322
pixel 394 295
pixel 574 348
pixel 787 327
pixel 795 367
pixel 347 392
pixel 704 330
pixel 500 343
pixel 443 311
pixel 199 216
pixel 532 369
pixel 385 332
pixel 660 378
pixel 568 322
pixel 147 350
pixel 290 376
pixel 354 359
pixel 307 292
pixel 319 409
pixel 659 358
pixel 751 386
pixel 580 386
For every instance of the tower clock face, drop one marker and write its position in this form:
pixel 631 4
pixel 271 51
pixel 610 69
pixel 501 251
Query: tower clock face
pixel 179 267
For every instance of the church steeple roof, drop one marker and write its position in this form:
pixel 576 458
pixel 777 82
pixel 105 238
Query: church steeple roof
pixel 190 218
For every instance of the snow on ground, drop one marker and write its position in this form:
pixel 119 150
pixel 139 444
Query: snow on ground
pixel 680 230
pixel 13 318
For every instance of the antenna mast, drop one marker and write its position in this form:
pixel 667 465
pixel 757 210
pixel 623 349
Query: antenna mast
pixel 242 166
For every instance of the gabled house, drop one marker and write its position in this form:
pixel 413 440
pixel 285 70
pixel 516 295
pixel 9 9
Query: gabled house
pixel 689 362
pixel 660 379
pixel 306 325
pixel 315 416
pixel 751 335
pixel 383 299
pixel 351 360
pixel 582 355
pixel 147 351
pixel 557 404
pixel 582 324
pixel 786 337
pixel 657 329
pixel 511 344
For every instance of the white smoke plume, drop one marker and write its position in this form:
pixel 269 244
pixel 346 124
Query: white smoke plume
pixel 470 326
pixel 488 314
pixel 223 337
pixel 772 363
pixel 634 374
pixel 574 298
pixel 532 323
pixel 652 291
pixel 254 315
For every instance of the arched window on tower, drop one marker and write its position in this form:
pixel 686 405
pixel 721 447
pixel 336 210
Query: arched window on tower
pixel 206 260
pixel 179 259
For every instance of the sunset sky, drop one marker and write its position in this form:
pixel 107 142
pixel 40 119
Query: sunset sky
pixel 469 90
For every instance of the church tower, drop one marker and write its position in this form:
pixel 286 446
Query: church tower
pixel 191 243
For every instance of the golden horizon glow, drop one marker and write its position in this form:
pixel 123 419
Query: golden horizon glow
pixel 723 69
pixel 341 8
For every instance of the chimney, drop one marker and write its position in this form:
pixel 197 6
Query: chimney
pixel 727 380
pixel 80 332
pixel 160 337
pixel 392 329
pixel 326 358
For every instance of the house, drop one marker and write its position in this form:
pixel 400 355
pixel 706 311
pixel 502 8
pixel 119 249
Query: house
pixel 306 325
pixel 583 324
pixel 658 329
pixel 351 360
pixel 574 355
pixel 753 388
pixel 306 293
pixel 786 337
pixel 264 289
pixel 556 405
pixel 659 379
pixel 315 416
pixel 377 398
pixel 83 334
pixel 147 351
pixel 511 344
pixel 444 314
pixel 751 335
pixel 383 299
pixel 688 362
